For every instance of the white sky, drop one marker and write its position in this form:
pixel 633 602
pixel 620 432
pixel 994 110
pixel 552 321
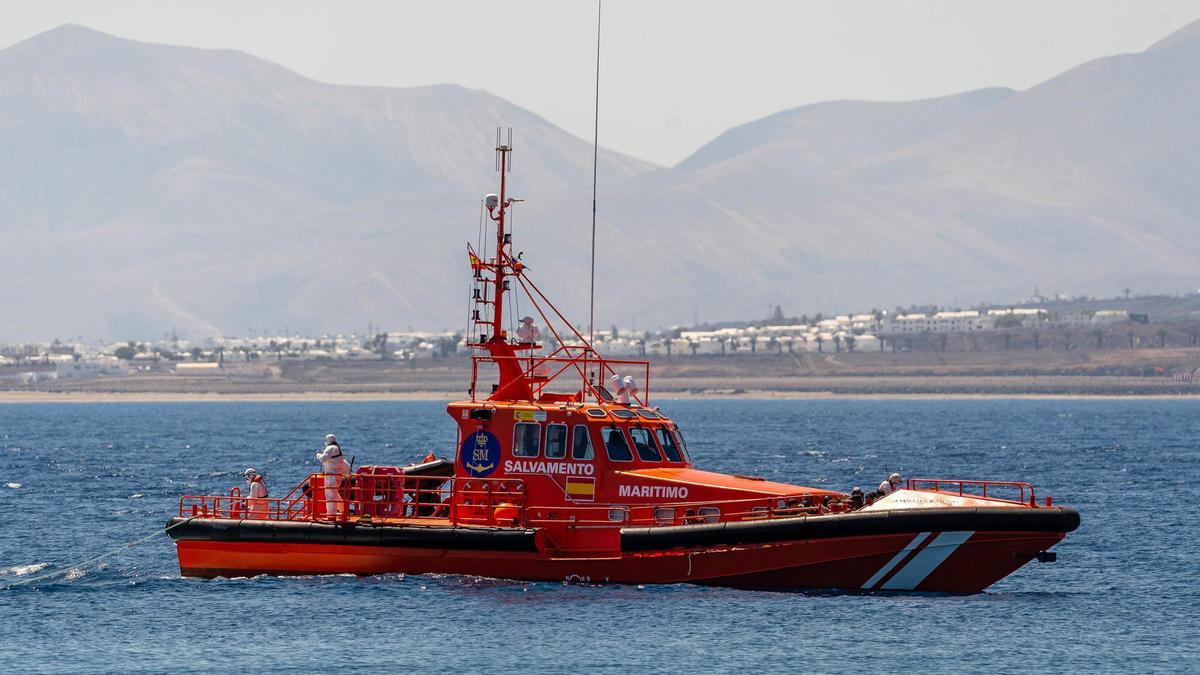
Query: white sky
pixel 674 74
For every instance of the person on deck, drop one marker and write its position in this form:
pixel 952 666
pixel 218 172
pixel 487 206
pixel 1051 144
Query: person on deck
pixel 527 333
pixel 857 501
pixel 256 495
pixel 890 485
pixel 334 466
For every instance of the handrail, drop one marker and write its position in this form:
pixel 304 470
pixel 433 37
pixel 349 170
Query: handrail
pixel 937 483
pixel 605 366
pixel 689 513
pixel 363 496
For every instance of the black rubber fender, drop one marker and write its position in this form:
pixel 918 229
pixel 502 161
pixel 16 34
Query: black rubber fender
pixel 979 519
pixel 351 534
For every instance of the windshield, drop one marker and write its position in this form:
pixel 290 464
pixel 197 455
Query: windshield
pixel 646 450
pixel 682 443
pixel 615 445
pixel 668 445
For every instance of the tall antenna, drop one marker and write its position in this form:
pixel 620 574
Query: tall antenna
pixel 595 163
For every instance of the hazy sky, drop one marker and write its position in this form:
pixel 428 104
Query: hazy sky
pixel 674 74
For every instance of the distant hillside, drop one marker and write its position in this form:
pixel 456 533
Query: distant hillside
pixel 147 186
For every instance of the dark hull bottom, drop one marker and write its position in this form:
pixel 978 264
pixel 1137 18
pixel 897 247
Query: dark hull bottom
pixel 955 561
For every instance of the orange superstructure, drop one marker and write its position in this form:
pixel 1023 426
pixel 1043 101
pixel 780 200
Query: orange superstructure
pixel 556 475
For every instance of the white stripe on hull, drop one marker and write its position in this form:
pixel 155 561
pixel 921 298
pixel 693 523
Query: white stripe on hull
pixel 925 562
pixel 896 559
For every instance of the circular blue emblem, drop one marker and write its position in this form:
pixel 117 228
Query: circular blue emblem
pixel 480 454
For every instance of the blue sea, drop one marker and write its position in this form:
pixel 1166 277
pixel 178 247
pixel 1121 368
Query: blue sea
pixel 77 480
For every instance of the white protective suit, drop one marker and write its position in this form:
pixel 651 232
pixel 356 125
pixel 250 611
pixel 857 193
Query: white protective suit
pixel 890 485
pixel 256 502
pixel 527 332
pixel 334 466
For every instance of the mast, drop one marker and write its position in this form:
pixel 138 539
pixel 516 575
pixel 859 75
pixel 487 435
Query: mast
pixel 513 383
pixel 501 254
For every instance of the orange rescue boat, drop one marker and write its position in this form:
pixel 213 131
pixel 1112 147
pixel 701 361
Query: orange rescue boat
pixel 557 477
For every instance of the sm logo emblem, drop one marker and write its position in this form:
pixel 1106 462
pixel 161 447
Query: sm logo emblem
pixel 480 454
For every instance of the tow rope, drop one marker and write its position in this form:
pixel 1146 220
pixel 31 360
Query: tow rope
pixel 79 566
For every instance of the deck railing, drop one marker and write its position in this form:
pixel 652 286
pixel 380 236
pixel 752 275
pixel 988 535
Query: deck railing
pixel 976 488
pixel 539 371
pixel 686 513
pixel 481 501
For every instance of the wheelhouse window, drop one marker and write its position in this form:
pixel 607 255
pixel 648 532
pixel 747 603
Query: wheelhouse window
pixel 581 447
pixel 670 449
pixel 646 450
pixel 646 414
pixel 682 443
pixel 556 441
pixel 595 412
pixel 527 437
pixel 623 414
pixel 615 445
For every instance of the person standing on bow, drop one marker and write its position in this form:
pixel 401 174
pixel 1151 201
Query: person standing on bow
pixel 256 495
pixel 890 485
pixel 334 467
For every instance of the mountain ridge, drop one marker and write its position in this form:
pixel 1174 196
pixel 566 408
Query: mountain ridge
pixel 150 187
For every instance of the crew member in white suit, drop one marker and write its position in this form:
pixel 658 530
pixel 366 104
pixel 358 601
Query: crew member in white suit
pixel 527 333
pixel 890 485
pixel 334 466
pixel 256 495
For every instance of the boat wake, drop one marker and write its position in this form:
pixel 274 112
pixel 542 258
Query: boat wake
pixel 23 570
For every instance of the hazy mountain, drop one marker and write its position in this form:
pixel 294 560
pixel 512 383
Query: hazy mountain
pixel 1083 183
pixel 147 186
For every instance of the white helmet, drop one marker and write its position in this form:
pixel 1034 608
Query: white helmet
pixel 527 319
pixel 249 473
pixel 894 478
pixel 330 439
pixel 628 381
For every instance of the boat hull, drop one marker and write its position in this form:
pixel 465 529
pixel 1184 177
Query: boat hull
pixel 786 555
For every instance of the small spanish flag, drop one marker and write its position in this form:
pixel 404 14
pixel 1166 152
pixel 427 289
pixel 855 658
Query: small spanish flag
pixel 476 263
pixel 581 489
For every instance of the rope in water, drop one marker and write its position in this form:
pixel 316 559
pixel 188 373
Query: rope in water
pixel 89 561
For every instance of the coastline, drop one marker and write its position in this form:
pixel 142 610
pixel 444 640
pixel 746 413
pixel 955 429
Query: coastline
pixel 40 397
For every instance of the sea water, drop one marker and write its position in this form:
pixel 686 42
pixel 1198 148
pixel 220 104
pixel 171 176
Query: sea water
pixel 77 480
